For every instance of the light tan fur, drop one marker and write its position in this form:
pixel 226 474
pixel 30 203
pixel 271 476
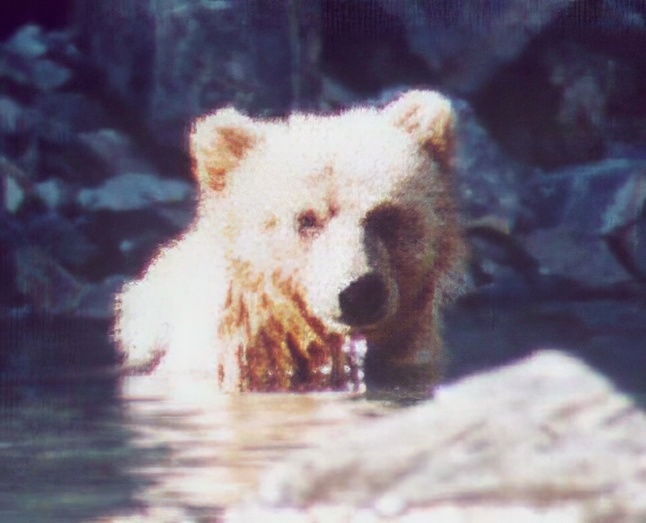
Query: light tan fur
pixel 291 214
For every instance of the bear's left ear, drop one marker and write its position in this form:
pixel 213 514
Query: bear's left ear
pixel 429 118
pixel 218 143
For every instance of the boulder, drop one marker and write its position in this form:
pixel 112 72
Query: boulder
pixel 174 60
pixel 465 44
pixel 587 221
pixel 545 439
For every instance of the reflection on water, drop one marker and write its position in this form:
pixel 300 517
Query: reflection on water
pixel 63 453
pixel 153 453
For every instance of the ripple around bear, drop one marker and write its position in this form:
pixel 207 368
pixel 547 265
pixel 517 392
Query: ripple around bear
pixel 314 235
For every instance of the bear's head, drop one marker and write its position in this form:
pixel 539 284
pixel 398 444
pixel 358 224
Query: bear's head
pixel 350 215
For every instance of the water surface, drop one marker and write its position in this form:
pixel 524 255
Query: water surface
pixel 97 452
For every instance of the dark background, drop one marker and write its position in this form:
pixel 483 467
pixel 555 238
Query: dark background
pixel 96 99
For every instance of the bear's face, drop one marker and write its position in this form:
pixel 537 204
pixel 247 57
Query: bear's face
pixel 348 209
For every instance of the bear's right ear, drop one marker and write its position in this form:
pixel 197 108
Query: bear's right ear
pixel 429 118
pixel 218 143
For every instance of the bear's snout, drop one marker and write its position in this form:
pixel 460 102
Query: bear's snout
pixel 364 301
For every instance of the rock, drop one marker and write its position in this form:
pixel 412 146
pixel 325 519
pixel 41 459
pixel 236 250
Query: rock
pixel 134 191
pixel 546 439
pixel 464 44
pixel 126 240
pixel 488 181
pixel 51 290
pixel 582 217
pixel 80 111
pixel 585 83
pixel 60 238
pixel 28 42
pixel 97 300
pixel 628 202
pixel 11 115
pixel 43 141
pixel 585 258
pixel 582 99
pixel 26 61
pixel 116 151
pixel 54 193
pixel 48 287
pixel 587 198
pixel 625 224
pixel 13 194
pixel 48 75
pixel 15 185
pixel 630 245
pixel 153 55
pixel 575 91
pixel 500 266
pixel 489 186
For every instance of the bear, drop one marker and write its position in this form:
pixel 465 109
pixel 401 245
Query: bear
pixel 318 240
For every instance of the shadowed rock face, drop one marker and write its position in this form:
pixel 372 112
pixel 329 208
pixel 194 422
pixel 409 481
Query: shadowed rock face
pixel 543 436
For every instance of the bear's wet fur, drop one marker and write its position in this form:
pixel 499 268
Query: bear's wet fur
pixel 314 235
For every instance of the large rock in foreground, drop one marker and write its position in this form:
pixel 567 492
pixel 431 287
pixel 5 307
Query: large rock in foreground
pixel 546 439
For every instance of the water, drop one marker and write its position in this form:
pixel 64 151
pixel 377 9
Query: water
pixel 84 452
pixel 88 450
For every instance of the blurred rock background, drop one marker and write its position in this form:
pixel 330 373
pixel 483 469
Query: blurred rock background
pixel 96 99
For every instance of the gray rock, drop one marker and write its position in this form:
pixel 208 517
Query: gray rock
pixel 630 245
pixel 80 111
pixel 586 220
pixel 28 42
pixel 47 75
pixel 585 258
pixel 54 193
pixel 97 300
pixel 624 14
pixel 624 223
pixel 13 194
pixel 14 185
pixel 11 115
pixel 546 439
pixel 488 181
pixel 489 186
pixel 585 198
pixel 116 151
pixel 562 101
pixel 48 287
pixel 465 44
pixel 24 60
pixel 176 59
pixel 60 238
pixel 628 202
pixel 51 289
pixel 133 191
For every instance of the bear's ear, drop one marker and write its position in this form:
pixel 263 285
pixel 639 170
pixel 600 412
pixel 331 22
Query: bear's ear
pixel 219 142
pixel 429 118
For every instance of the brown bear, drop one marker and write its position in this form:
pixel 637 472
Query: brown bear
pixel 315 237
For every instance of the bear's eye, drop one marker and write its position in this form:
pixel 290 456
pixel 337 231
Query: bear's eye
pixel 396 227
pixel 386 223
pixel 308 224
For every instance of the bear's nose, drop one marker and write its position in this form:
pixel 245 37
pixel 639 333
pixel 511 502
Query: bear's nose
pixel 363 302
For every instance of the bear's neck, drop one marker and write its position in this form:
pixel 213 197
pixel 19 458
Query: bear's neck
pixel 272 342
